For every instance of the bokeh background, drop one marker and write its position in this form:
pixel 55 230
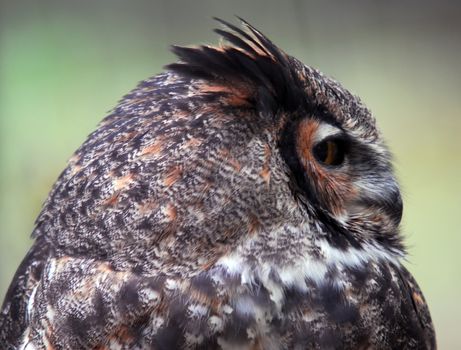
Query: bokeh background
pixel 64 64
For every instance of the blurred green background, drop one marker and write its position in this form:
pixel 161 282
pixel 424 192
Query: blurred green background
pixel 64 64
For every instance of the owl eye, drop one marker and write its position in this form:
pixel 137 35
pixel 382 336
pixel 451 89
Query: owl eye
pixel 331 151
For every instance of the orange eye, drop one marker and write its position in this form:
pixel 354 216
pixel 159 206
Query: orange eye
pixel 330 152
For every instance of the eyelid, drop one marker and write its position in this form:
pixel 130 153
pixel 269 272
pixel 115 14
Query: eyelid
pixel 327 132
pixel 340 136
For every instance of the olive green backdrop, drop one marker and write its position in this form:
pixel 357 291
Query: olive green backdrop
pixel 64 64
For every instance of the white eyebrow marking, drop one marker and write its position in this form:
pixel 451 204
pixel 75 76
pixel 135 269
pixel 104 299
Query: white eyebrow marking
pixel 325 130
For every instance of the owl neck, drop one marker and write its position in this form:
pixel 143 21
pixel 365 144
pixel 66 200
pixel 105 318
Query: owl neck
pixel 320 264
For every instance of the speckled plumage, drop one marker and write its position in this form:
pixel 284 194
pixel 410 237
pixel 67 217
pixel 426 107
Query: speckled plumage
pixel 197 216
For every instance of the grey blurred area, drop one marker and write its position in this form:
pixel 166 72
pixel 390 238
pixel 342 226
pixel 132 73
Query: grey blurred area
pixel 64 64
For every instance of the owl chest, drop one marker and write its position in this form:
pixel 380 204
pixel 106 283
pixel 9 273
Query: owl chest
pixel 345 310
pixel 350 308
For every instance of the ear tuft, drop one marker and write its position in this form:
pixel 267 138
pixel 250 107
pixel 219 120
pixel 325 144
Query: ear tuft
pixel 250 59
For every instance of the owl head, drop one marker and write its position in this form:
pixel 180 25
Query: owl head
pixel 238 154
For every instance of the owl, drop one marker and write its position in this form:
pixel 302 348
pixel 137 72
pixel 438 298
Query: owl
pixel 239 200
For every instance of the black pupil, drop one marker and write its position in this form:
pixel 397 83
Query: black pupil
pixel 330 152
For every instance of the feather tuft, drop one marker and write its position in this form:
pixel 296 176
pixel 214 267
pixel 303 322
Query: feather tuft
pixel 250 59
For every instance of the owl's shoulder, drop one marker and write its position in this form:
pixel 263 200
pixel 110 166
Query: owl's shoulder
pixel 16 306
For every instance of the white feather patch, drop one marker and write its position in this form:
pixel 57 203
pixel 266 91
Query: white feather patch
pixel 308 268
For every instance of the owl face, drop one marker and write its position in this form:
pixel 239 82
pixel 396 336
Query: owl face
pixel 342 172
